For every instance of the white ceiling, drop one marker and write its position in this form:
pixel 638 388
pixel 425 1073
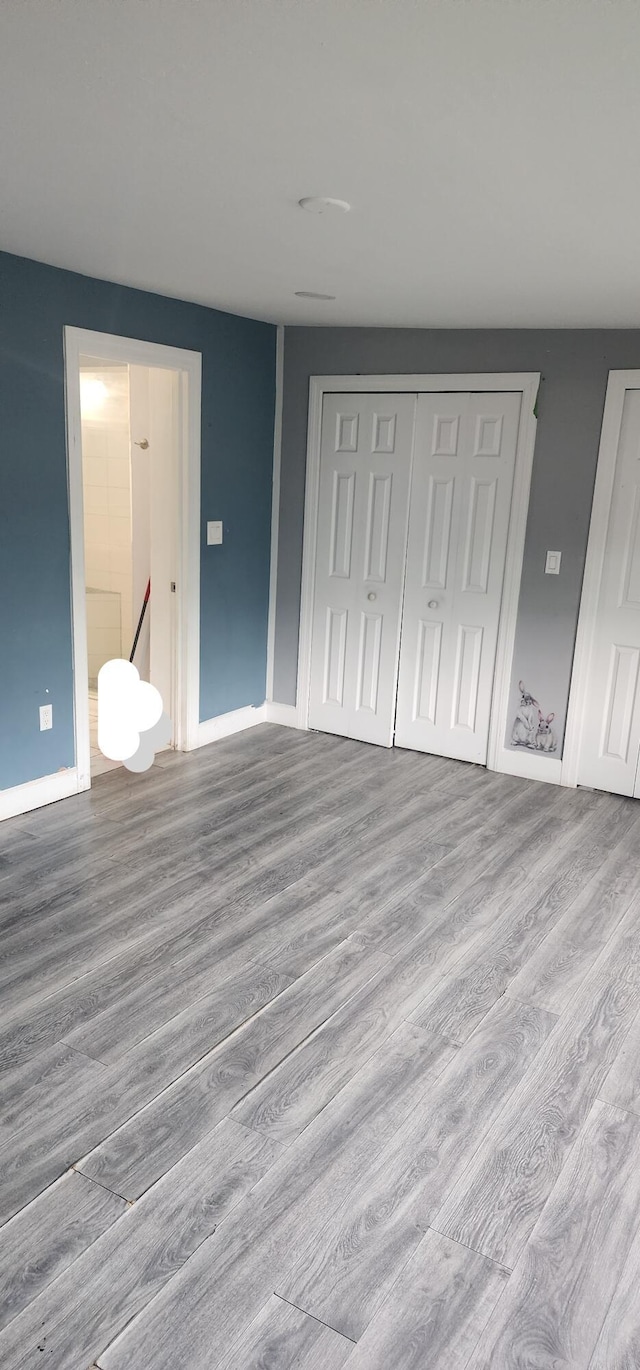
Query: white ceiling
pixel 488 148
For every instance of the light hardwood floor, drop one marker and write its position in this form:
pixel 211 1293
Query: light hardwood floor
pixel 318 1055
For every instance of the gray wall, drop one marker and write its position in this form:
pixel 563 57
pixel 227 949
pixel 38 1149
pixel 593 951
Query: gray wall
pixel 574 365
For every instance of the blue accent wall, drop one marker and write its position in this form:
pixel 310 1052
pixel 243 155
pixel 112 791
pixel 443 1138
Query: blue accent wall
pixel 238 402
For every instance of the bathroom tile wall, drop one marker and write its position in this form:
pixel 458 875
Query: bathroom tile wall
pixel 107 519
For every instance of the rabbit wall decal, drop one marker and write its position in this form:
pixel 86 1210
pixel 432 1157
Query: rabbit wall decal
pixel 546 740
pixel 530 727
pixel 525 725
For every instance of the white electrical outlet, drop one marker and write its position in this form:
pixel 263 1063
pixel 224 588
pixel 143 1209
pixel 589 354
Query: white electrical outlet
pixel 46 717
pixel 214 533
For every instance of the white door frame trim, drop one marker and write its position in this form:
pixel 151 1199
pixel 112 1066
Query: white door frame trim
pixel 617 385
pixel 136 352
pixel 499 757
pixel 275 510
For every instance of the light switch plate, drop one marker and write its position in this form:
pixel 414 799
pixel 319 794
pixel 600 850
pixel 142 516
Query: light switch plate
pixel 214 533
pixel 552 564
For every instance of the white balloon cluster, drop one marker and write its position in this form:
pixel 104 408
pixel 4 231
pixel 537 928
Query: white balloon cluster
pixel 132 725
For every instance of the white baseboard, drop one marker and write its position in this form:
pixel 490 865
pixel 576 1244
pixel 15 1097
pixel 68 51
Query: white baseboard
pixel 36 793
pixel 285 714
pixel 227 724
pixel 530 766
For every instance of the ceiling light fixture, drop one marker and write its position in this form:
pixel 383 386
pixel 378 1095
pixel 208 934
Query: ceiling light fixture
pixel 312 295
pixel 324 204
pixel 93 393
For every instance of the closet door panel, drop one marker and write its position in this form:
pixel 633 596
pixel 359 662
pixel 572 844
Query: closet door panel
pixel 365 465
pixel 611 730
pixel 460 503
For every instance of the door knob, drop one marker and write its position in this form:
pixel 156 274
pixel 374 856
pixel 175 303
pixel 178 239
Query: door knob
pixel 433 603
pixel 371 596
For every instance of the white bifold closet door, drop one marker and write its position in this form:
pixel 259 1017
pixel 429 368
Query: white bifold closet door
pixel 365 467
pixel 610 742
pixel 415 492
pixel 463 465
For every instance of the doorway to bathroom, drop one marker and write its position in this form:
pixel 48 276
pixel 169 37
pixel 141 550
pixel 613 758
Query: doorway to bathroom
pixel 133 413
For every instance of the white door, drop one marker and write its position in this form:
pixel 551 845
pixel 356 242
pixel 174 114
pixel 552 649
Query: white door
pixel 463 467
pixel 155 491
pixel 166 513
pixel 611 729
pixel 365 466
pixel 139 426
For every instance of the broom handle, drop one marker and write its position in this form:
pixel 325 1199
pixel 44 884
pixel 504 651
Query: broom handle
pixel 141 619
